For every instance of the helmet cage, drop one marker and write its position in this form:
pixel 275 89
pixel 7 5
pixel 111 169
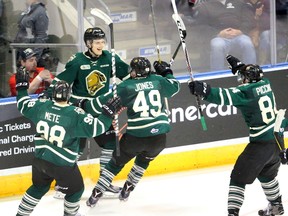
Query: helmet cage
pixel 251 72
pixel 61 91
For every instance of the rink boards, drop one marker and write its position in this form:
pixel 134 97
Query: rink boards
pixel 188 146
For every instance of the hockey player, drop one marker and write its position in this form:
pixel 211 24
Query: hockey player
pixel 260 159
pixel 143 95
pixel 90 74
pixel 58 128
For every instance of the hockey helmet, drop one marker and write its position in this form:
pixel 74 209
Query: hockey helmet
pixel 141 66
pixel 93 34
pixel 61 91
pixel 251 73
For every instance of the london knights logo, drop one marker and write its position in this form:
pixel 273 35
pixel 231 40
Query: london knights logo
pixel 95 81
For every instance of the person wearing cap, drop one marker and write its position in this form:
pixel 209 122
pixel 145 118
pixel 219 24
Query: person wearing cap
pixel 90 74
pixel 40 78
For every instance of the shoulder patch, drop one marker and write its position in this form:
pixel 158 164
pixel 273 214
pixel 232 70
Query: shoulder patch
pixel 79 110
pixel 85 67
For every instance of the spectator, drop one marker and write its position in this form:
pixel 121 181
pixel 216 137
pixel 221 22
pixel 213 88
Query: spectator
pixel 33 25
pixel 228 23
pixel 43 76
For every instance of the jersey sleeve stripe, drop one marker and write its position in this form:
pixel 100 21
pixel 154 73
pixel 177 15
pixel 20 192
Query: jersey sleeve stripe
pixel 229 97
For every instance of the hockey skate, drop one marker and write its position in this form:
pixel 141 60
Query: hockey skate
pixel 112 191
pixel 233 212
pixel 93 199
pixel 78 214
pixel 125 192
pixel 274 208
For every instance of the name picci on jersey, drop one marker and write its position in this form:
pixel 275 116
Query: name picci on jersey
pixel 263 89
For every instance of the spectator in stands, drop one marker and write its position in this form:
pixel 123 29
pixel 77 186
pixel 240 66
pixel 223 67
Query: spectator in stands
pixel 33 25
pixel 40 78
pixel 228 23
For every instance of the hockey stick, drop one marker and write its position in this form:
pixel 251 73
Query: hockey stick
pixel 280 117
pixel 98 13
pixel 180 25
pixel 158 49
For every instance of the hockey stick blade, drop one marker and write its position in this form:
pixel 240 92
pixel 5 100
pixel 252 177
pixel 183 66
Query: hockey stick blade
pixel 98 13
pixel 278 122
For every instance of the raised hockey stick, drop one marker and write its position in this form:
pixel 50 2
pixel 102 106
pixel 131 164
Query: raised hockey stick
pixel 280 117
pixel 180 25
pixel 158 48
pixel 100 14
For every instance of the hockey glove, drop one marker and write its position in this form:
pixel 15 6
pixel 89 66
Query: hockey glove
pixel 22 78
pixel 112 106
pixel 234 64
pixel 198 88
pixel 80 103
pixel 162 68
pixel 44 95
pixel 283 156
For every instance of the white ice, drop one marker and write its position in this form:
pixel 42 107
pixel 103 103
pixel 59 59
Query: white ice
pixel 201 192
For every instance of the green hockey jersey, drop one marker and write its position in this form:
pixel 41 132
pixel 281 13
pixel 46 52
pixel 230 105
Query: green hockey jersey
pixel 144 99
pixel 256 102
pixel 90 78
pixel 59 127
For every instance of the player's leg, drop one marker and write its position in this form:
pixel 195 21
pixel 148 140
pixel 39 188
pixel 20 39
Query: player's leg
pixel 58 194
pixel 270 186
pixel 41 185
pixel 107 143
pixel 151 147
pixel 70 182
pixel 113 167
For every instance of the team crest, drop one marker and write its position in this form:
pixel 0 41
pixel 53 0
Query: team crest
pixel 95 81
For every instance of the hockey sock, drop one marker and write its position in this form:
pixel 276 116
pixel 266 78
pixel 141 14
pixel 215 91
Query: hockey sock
pixel 105 180
pixel 105 157
pixel 271 189
pixel 27 205
pixel 135 174
pixel 235 196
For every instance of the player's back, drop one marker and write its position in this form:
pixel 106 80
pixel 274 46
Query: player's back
pixel 258 108
pixel 144 99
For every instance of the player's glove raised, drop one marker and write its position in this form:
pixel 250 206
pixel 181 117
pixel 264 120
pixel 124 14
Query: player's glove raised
pixel 112 106
pixel 283 156
pixel 22 78
pixel 234 64
pixel 44 95
pixel 198 88
pixel 162 68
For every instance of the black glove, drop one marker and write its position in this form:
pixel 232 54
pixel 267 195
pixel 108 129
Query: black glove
pixel 44 95
pixel 283 156
pixel 80 103
pixel 162 68
pixel 198 88
pixel 112 106
pixel 22 78
pixel 234 64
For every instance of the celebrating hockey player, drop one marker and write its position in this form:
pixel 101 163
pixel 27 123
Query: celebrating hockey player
pixel 143 95
pixel 90 74
pixel 58 128
pixel 260 159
